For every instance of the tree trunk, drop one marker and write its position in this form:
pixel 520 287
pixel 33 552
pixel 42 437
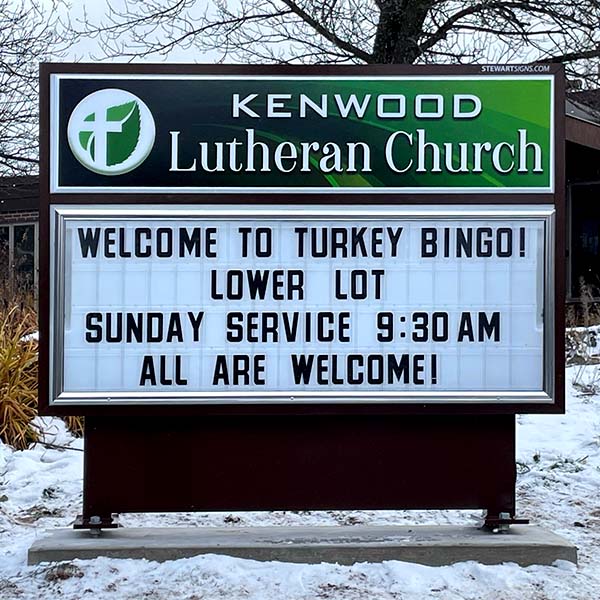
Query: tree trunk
pixel 399 29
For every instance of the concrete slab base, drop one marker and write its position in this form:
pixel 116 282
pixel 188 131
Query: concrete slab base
pixel 440 545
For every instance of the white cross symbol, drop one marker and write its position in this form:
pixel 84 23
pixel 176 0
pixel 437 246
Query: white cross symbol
pixel 100 130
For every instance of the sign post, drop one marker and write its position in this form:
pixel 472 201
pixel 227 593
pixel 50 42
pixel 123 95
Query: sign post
pixel 301 288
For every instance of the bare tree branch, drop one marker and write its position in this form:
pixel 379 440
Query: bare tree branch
pixel 356 31
pixel 27 35
pixel 18 158
pixel 328 35
pixel 570 56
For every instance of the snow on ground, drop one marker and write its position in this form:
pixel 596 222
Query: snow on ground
pixel 558 487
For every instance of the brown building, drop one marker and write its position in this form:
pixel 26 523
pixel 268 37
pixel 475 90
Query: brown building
pixel 583 192
pixel 19 209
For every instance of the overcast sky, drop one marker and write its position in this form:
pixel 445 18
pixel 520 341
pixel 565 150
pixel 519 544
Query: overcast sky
pixel 95 12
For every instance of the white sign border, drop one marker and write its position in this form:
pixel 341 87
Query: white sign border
pixel 56 188
pixel 60 214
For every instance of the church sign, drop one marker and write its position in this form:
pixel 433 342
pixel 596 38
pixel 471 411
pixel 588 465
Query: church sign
pixel 290 237
pixel 307 277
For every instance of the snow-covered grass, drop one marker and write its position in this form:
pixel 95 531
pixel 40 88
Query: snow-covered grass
pixel 558 487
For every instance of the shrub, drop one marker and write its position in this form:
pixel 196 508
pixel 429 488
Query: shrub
pixel 74 425
pixel 18 375
pixel 582 340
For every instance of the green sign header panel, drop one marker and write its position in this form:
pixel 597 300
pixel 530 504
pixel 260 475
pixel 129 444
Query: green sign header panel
pixel 303 133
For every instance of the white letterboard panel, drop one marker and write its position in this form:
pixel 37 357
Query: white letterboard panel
pixel 295 305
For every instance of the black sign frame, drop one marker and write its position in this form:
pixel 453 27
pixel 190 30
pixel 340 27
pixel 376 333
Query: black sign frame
pixel 66 199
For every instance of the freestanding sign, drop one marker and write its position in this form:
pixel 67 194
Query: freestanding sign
pixel 326 249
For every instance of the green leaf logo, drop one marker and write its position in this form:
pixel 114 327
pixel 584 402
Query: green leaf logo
pixel 121 146
pixel 111 132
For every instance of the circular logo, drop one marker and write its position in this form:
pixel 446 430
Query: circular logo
pixel 111 132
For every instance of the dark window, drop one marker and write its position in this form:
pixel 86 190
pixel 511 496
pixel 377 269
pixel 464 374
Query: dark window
pixel 18 257
pixel 584 258
pixel 24 253
pixel 4 244
pixel 4 255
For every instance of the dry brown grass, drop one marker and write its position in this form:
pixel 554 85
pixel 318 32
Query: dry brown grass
pixel 18 375
pixel 74 425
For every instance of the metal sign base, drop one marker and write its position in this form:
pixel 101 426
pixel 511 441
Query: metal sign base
pixel 167 464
